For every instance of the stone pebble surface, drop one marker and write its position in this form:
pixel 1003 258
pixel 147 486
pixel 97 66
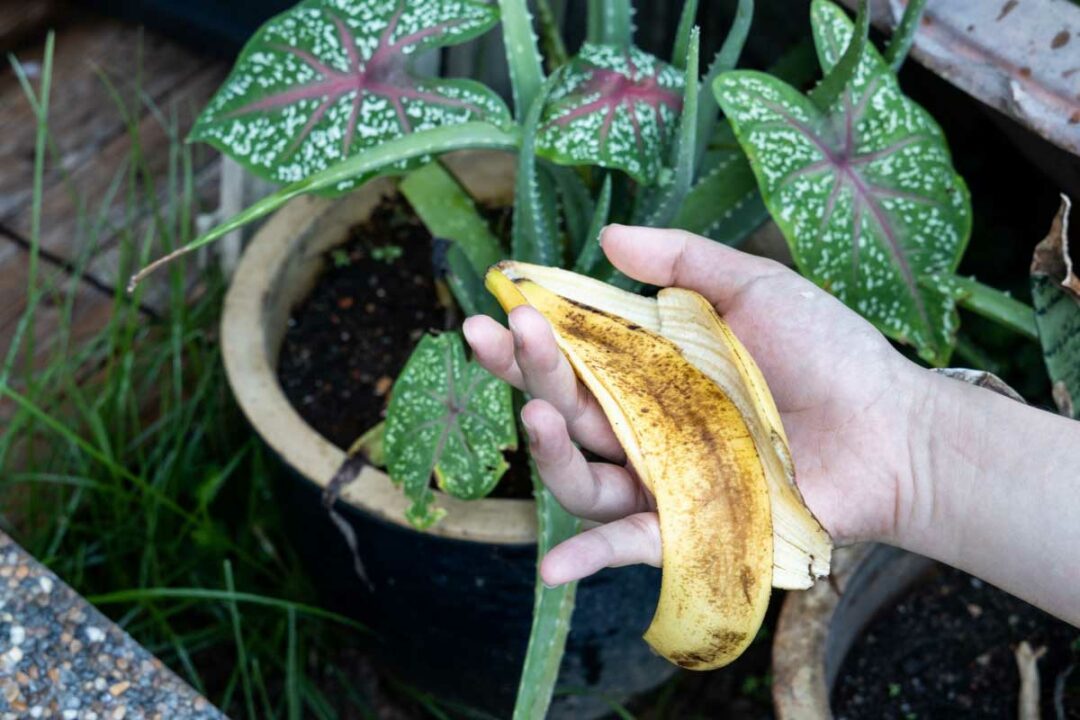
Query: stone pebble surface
pixel 61 658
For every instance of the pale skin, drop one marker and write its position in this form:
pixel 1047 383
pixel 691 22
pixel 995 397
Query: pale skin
pixel 884 450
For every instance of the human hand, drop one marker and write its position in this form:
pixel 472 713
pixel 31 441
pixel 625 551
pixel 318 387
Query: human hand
pixel 845 395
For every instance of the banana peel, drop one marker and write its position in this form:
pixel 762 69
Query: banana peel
pixel 699 426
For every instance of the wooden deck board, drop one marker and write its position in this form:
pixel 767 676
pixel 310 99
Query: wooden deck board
pixel 91 146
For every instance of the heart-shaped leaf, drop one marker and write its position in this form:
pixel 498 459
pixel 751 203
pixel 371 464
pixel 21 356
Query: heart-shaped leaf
pixel 613 107
pixel 450 417
pixel 330 78
pixel 865 193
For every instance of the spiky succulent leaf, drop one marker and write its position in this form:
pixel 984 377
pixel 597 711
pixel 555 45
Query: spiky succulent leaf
pixel 552 611
pixel 590 258
pixel 724 204
pixel 610 22
pixel 330 79
pixel 522 54
pixel 613 107
pixel 450 417
pixel 684 158
pixel 536 222
pixel 865 193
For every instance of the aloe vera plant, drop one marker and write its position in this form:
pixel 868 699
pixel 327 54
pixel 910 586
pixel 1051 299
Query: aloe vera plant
pixel 857 176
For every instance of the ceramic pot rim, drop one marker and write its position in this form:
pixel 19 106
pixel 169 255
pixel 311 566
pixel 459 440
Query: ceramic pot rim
pixel 257 306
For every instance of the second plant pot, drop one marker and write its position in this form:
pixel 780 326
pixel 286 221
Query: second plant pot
pixel 451 606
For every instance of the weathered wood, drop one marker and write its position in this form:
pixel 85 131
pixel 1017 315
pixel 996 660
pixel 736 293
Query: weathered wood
pixel 1022 58
pixel 21 22
pixel 84 118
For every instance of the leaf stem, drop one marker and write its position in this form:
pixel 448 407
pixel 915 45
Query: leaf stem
pixel 904 35
pixel 993 304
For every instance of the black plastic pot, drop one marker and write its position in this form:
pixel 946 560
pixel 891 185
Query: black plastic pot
pixel 451 606
pixel 452 616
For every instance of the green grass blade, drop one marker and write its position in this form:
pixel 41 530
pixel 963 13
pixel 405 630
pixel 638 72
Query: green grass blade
pixel 829 89
pixel 419 144
pixel 904 35
pixel 292 686
pixel 591 254
pixel 181 593
pixel 522 56
pixel 238 638
pixel 552 611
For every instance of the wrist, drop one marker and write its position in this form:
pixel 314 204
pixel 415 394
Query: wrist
pixel 943 431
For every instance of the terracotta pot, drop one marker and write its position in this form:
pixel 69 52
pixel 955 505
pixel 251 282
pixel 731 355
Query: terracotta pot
pixel 451 606
pixel 818 627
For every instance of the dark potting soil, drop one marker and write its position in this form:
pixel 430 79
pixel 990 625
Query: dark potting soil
pixel 947 651
pixel 346 343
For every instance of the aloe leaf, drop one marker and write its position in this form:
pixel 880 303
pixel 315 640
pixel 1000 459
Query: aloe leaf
pixel 610 22
pixel 725 204
pixel 576 203
pixel 613 107
pixel 904 35
pixel 450 417
pixel 1055 290
pixel 448 211
pixel 831 24
pixel 468 286
pixel 551 36
pixel 522 56
pixel 329 80
pixel 685 155
pixel 682 34
pixel 535 227
pixel 865 193
pixel 590 257
pixel 423 144
pixel 726 59
pixel 552 611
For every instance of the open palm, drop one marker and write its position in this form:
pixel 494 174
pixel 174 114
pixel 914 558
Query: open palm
pixel 844 393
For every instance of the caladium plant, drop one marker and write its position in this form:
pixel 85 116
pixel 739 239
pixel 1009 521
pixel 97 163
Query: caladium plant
pixel 332 78
pixel 856 175
pixel 863 189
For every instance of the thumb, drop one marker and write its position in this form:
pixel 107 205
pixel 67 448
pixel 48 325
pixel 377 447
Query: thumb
pixel 679 258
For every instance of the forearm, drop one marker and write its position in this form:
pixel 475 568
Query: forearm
pixel 995 490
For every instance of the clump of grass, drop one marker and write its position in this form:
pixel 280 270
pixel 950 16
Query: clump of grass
pixel 126 467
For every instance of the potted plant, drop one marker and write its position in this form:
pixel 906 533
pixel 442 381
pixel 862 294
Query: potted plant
pixel 322 99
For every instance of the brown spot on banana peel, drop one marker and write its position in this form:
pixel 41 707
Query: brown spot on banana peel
pixel 699 461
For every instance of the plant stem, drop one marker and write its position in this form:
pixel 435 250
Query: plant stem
pixel 993 304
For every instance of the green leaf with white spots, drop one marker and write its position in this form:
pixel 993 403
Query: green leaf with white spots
pixel 865 193
pixel 330 79
pixel 1055 290
pixel 613 107
pixel 448 417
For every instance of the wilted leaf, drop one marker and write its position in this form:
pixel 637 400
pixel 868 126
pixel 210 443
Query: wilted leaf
pixel 450 417
pixel 613 107
pixel 865 193
pixel 330 78
pixel 1055 292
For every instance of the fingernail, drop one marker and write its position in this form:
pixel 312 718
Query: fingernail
pixel 519 341
pixel 529 431
pixel 549 587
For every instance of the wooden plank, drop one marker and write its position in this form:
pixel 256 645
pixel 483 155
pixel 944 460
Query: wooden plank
pixel 22 22
pixel 84 118
pixel 86 188
pixel 1022 58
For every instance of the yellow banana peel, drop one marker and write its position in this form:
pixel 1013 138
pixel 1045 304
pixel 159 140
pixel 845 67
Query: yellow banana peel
pixel 699 426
